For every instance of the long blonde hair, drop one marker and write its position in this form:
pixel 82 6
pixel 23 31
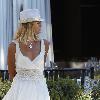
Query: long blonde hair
pixel 26 30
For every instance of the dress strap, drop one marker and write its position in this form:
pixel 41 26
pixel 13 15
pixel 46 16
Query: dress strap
pixel 17 45
pixel 42 46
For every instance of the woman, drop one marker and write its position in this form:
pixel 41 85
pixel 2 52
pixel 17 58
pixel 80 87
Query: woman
pixel 26 58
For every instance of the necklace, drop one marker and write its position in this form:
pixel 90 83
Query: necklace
pixel 30 46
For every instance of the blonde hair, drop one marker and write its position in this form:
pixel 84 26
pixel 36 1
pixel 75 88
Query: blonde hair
pixel 25 31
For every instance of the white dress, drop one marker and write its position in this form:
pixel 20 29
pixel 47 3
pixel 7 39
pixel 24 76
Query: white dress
pixel 29 82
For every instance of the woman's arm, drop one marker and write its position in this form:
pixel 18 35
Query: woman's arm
pixel 11 60
pixel 46 49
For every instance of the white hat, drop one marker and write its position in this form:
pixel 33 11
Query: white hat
pixel 30 15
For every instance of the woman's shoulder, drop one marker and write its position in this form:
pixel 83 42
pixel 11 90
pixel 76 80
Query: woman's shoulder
pixel 46 42
pixel 12 44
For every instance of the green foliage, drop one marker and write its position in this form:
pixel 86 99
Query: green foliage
pixel 97 74
pixel 61 89
pixel 95 94
pixel 4 87
pixel 66 89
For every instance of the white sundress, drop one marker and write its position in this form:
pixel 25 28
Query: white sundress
pixel 29 82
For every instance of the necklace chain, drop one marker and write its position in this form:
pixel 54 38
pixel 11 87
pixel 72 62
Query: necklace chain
pixel 30 45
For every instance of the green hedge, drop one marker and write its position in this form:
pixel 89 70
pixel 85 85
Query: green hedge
pixel 61 89
pixel 4 87
pixel 66 89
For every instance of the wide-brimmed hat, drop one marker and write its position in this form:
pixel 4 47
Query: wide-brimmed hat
pixel 30 15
